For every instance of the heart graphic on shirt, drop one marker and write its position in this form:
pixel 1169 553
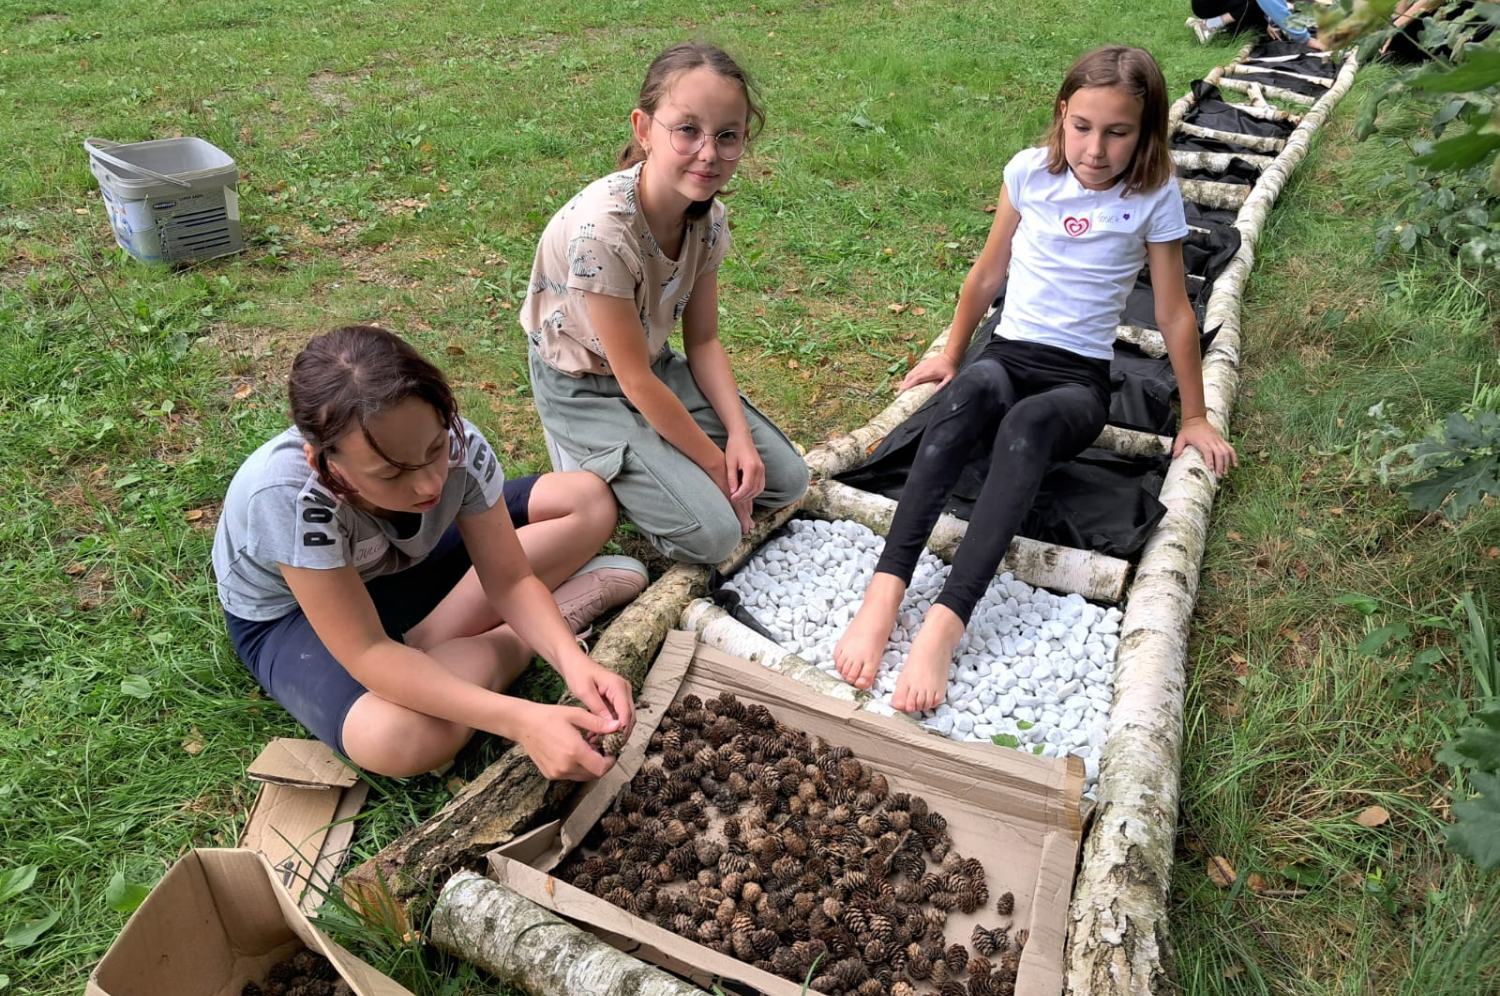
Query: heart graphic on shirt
pixel 1075 226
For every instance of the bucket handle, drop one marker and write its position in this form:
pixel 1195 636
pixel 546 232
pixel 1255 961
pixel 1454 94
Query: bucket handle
pixel 93 147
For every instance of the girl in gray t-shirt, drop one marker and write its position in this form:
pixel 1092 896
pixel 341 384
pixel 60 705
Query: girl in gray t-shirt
pixel 377 586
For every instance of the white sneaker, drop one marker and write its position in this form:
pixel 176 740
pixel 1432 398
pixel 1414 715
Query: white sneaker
pixel 598 586
pixel 1201 29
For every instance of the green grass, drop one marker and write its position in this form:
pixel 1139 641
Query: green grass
pixel 400 161
pixel 1291 731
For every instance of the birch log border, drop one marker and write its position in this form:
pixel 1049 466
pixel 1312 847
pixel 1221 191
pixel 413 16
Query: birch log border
pixel 1273 92
pixel 1118 920
pixel 525 945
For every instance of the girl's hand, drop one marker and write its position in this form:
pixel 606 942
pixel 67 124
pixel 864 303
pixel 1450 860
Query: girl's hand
pixel 744 468
pixel 605 694
pixel 553 737
pixel 1200 434
pixel 939 369
pixel 719 472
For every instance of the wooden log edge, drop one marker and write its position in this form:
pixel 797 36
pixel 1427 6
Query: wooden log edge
pixel 1117 939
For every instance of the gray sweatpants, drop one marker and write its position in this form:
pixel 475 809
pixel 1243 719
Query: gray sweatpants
pixel 668 496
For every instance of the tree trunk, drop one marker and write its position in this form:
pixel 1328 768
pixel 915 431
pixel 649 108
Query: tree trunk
pixel 525 945
pixel 1058 568
pixel 1132 442
pixel 1239 69
pixel 1259 143
pixel 1118 931
pixel 1218 162
pixel 1273 92
pixel 719 629
pixel 1148 341
pixel 1229 196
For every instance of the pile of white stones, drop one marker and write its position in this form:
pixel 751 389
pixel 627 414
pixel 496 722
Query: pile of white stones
pixel 1034 669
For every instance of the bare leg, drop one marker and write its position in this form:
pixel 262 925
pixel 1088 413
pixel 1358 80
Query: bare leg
pixel 924 677
pixel 570 516
pixel 858 652
pixel 389 739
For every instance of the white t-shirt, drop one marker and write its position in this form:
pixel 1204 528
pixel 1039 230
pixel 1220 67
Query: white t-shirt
pixel 278 511
pixel 1076 254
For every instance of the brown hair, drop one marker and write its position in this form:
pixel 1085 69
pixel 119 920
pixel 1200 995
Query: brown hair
pixel 349 375
pixel 1136 72
pixel 664 69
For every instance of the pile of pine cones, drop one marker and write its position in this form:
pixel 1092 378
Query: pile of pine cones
pixel 818 872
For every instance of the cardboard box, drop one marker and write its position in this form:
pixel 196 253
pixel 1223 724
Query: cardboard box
pixel 218 919
pixel 303 817
pixel 1016 813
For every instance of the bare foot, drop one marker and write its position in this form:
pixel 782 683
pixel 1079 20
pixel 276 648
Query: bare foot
pixel 858 652
pixel 924 678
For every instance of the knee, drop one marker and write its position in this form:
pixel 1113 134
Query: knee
pixel 788 480
pixel 404 744
pixel 713 539
pixel 592 502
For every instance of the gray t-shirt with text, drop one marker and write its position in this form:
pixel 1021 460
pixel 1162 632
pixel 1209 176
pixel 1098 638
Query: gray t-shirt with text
pixel 278 511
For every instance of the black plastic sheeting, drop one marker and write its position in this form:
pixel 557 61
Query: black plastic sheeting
pixel 1211 110
pixel 1305 65
pixel 1240 172
pixel 1199 216
pixel 1306 87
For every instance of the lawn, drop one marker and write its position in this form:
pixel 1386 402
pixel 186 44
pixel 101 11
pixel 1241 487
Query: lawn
pixel 398 162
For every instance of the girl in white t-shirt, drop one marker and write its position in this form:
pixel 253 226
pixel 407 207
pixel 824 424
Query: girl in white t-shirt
pixel 1076 219
pixel 616 270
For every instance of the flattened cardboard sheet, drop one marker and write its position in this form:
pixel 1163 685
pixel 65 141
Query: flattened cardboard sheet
pixel 303 817
pixel 216 920
pixel 1017 813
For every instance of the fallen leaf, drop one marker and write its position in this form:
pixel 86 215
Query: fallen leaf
pixel 1235 537
pixel 1234 971
pixel 75 570
pixel 895 308
pixel 243 391
pixel 888 251
pixel 1220 871
pixel 193 514
pixel 1373 816
pixel 793 364
pixel 1493 553
pixel 193 742
pixel 455 351
pixel 990 208
pixel 1257 882
pixel 919 311
pixel 506 305
pixel 455 785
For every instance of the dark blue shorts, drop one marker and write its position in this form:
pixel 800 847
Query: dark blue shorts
pixel 289 661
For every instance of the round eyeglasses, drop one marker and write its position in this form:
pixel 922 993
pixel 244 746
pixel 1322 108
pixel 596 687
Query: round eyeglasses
pixel 687 139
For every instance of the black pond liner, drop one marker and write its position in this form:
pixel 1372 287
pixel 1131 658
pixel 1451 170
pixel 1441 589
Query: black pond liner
pixel 1211 110
pixel 1240 172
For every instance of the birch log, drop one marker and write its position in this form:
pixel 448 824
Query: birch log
pixel 1148 341
pixel 1218 162
pixel 1058 568
pixel 1266 112
pixel 1130 442
pixel 1228 196
pixel 1118 920
pixel 1259 143
pixel 1273 92
pixel 719 629
pixel 1241 69
pixel 523 944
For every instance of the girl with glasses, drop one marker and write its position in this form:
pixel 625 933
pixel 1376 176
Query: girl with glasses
pixel 616 269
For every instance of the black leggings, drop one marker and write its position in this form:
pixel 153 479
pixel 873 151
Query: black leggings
pixel 1031 405
pixel 1247 13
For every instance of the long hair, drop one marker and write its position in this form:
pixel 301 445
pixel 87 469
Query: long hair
pixel 664 69
pixel 345 377
pixel 1136 72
